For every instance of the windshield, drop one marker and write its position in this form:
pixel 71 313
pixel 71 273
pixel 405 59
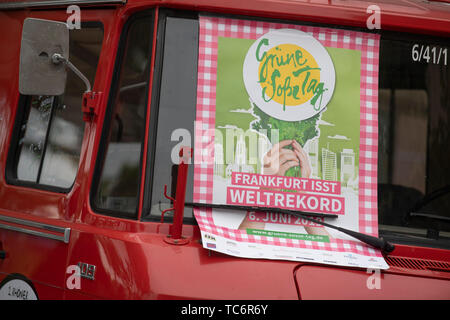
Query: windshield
pixel 414 144
pixel 413 119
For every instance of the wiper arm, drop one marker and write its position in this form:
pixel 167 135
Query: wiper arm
pixel 427 199
pixel 430 197
pixel 378 243
pixel 429 216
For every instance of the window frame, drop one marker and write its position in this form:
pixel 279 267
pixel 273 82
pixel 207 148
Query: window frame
pixel 13 152
pixel 415 236
pixel 108 119
pixel 163 14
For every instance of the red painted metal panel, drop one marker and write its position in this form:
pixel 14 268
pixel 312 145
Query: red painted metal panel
pixel 144 266
pixel 413 16
pixel 345 284
pixel 322 282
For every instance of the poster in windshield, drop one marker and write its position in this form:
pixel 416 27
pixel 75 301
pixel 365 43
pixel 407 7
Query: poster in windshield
pixel 287 119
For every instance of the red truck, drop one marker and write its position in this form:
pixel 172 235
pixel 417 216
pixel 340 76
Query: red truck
pixel 82 172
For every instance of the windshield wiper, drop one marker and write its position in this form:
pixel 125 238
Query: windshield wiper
pixel 185 155
pixel 429 216
pixel 378 243
pixel 415 211
pixel 430 197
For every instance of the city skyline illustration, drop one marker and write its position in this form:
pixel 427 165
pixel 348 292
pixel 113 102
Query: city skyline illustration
pixel 324 164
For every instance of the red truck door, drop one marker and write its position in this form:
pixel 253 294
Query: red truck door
pixel 42 139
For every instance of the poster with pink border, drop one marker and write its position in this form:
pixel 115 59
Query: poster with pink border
pixel 287 118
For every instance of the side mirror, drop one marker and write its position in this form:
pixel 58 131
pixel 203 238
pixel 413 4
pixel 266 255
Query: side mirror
pixel 39 72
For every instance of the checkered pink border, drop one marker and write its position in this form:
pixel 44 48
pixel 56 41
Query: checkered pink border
pixel 210 29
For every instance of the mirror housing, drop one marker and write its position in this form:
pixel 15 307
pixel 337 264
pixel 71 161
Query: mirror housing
pixel 39 74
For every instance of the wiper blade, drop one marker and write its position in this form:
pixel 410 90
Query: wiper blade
pixel 255 208
pixel 430 197
pixel 429 216
pixel 378 243
pixel 415 211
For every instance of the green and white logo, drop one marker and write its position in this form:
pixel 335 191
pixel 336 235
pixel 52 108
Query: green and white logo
pixel 289 75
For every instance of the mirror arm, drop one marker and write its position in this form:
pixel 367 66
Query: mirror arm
pixel 57 59
pixel 91 100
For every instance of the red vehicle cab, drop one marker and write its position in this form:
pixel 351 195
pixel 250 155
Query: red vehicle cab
pixel 82 182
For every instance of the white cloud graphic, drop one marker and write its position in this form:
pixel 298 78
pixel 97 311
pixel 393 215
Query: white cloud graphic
pixel 339 137
pixel 241 110
pixel 324 123
pixel 228 126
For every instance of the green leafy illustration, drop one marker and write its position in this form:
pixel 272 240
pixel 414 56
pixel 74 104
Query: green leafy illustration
pixel 301 131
